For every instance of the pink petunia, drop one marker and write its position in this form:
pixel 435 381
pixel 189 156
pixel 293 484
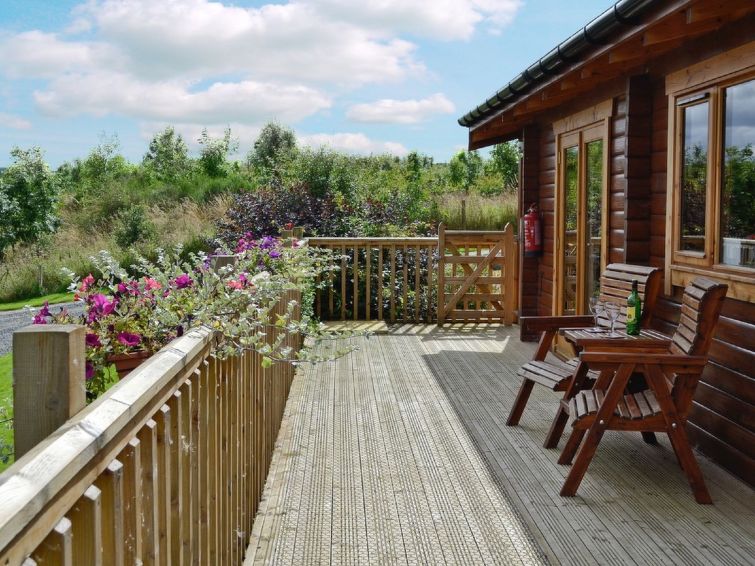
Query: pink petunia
pixel 233 284
pixel 92 340
pixel 183 281
pixel 151 284
pixel 86 283
pixel 129 339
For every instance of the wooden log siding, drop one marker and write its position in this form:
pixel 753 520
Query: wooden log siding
pixel 388 279
pixel 166 467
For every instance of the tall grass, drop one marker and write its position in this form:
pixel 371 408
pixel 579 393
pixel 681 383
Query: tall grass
pixel 186 222
pixel 480 212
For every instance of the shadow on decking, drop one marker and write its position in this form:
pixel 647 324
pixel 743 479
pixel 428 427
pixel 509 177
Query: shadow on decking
pixel 634 505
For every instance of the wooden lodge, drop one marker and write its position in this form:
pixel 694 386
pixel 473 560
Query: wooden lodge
pixel 636 133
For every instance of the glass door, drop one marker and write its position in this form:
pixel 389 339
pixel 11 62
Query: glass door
pixel 580 221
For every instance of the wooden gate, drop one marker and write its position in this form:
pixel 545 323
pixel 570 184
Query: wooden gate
pixel 477 276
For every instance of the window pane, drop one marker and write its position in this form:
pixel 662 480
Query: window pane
pixel 571 184
pixel 738 179
pixel 694 177
pixel 594 215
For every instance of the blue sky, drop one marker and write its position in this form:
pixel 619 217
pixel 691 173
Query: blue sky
pixel 360 76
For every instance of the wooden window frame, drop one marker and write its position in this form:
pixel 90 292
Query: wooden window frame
pixel 708 78
pixel 589 125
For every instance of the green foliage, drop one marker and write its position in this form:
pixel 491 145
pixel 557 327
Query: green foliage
pixel 214 154
pixel 6 411
pixel 504 162
pixel 133 226
pixel 168 156
pixel 273 144
pixel 738 193
pixel 28 199
pixel 52 299
pixel 465 167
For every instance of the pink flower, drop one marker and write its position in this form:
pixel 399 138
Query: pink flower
pixel 151 284
pixel 100 306
pixel 129 339
pixel 183 281
pixel 86 283
pixel 93 341
pixel 233 284
pixel 39 319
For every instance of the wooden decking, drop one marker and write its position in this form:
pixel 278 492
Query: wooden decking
pixel 399 454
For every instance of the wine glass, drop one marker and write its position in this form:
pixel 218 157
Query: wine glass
pixel 596 308
pixel 613 310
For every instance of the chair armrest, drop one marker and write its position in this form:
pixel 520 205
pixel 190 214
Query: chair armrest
pixel 532 324
pixel 618 358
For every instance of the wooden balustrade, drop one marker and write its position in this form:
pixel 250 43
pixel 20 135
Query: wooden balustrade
pixel 387 279
pixel 167 467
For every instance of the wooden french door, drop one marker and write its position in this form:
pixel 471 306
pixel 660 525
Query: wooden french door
pixel 581 217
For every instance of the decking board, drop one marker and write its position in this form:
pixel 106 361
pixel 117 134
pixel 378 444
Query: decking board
pixel 398 454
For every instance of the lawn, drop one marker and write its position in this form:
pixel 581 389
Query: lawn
pixel 6 406
pixel 53 299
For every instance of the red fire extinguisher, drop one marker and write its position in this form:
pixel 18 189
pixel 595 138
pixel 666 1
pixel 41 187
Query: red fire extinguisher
pixel 533 236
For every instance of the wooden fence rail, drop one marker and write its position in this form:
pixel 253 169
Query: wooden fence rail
pixel 379 279
pixel 458 276
pixel 167 467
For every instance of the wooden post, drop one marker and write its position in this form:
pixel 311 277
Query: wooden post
pixel 221 261
pixel 509 279
pixel 298 232
pixel 441 273
pixel 48 380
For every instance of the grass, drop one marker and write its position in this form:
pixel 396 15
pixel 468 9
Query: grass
pixel 481 212
pixel 53 299
pixel 6 406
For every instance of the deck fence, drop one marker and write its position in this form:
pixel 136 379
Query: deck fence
pixel 167 467
pixel 457 276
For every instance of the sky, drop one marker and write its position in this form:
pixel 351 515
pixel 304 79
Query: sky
pixel 362 76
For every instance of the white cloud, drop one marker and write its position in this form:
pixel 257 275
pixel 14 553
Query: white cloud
pixel 14 122
pixel 388 111
pixel 439 19
pixel 104 93
pixel 352 143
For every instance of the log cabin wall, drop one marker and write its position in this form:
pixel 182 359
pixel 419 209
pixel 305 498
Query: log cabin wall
pixel 722 421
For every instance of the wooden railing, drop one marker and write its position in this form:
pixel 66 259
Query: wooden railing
pixel 379 279
pixel 167 467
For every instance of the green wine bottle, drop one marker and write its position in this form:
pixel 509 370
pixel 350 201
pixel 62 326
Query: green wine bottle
pixel 634 311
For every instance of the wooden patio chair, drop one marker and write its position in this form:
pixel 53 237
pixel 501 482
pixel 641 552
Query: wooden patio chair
pixel 615 285
pixel 663 407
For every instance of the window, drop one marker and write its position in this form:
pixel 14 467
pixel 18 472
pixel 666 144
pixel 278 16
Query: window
pixel 711 197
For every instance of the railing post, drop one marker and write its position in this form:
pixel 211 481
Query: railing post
pixel 441 307
pixel 221 261
pixel 49 385
pixel 509 271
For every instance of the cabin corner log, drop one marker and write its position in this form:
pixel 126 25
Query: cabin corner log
pixel 157 426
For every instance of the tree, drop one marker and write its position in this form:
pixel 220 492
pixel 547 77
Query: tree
pixel 504 161
pixel 214 154
pixel 28 199
pixel 273 142
pixel 103 163
pixel 464 169
pixel 168 155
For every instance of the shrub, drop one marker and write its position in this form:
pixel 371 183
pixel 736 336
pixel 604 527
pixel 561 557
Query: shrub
pixel 133 226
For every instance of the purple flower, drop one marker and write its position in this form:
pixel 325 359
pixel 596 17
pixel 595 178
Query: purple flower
pixel 100 306
pixel 89 371
pixel 183 281
pixel 129 339
pixel 45 310
pixel 267 242
pixel 93 341
pixel 274 254
pixel 39 319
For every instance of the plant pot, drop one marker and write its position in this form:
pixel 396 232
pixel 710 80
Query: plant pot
pixel 125 363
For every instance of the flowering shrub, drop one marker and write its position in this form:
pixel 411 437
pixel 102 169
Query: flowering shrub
pixel 125 314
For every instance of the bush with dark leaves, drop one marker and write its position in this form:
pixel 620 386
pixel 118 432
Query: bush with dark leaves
pixel 268 210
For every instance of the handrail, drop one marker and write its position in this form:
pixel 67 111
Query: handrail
pixel 168 464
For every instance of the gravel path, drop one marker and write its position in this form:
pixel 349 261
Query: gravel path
pixel 11 321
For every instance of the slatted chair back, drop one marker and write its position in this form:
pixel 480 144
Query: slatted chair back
pixel 616 284
pixel 701 306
